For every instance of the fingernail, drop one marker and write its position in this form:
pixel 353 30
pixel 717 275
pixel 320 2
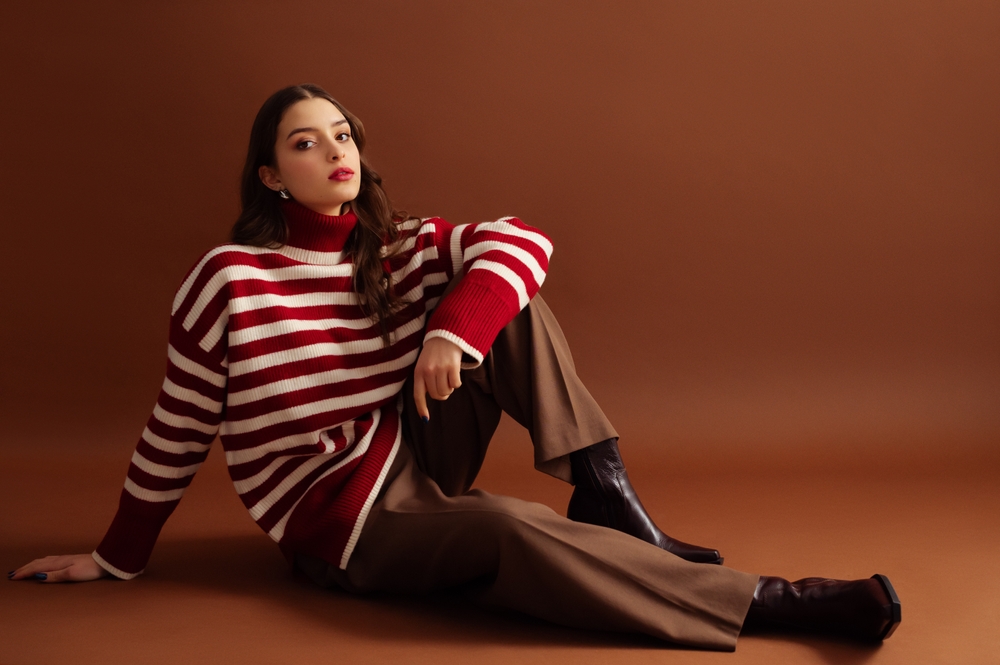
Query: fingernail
pixel 41 576
pixel 11 574
pixel 425 419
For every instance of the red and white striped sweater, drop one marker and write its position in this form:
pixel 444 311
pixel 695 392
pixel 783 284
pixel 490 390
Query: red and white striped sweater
pixel 269 349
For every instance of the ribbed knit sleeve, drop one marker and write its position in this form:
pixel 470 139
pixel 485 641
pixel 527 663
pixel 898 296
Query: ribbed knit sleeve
pixel 184 422
pixel 504 264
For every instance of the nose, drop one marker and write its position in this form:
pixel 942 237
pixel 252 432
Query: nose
pixel 337 152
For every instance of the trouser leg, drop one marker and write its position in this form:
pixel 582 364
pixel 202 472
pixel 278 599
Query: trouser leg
pixel 525 557
pixel 528 373
pixel 427 531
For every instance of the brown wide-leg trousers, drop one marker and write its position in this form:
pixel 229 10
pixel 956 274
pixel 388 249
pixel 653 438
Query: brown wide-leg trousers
pixel 428 531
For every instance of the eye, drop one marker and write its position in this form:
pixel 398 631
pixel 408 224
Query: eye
pixel 343 136
pixel 305 144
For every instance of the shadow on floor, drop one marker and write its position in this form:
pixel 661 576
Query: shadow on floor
pixel 243 568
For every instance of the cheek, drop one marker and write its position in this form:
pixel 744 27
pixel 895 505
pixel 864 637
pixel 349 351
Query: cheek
pixel 303 170
pixel 354 158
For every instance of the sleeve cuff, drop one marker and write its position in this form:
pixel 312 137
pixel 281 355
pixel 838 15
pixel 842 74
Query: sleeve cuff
pixel 120 574
pixel 471 357
pixel 471 316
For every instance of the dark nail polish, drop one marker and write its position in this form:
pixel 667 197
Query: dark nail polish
pixel 41 576
pixel 425 419
pixel 10 574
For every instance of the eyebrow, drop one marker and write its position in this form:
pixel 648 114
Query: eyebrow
pixel 312 129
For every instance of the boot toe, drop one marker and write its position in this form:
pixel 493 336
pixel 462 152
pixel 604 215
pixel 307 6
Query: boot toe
pixel 893 608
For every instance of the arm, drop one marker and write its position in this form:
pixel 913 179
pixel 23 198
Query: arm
pixel 504 264
pixel 173 445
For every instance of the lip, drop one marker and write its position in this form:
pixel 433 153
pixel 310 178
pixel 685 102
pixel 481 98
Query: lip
pixel 342 174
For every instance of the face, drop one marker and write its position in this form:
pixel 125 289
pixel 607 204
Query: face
pixel 316 158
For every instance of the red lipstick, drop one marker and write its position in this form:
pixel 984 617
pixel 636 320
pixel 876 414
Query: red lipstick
pixel 342 174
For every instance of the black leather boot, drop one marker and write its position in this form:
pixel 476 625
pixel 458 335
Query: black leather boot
pixel 867 610
pixel 604 496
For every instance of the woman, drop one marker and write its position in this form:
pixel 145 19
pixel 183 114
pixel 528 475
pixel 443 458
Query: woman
pixel 310 344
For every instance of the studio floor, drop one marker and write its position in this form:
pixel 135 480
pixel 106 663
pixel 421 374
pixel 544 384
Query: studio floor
pixel 218 591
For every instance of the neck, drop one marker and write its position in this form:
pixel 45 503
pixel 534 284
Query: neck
pixel 314 231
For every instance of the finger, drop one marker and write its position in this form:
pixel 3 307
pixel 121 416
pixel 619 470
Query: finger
pixel 51 576
pixel 441 381
pixel 420 397
pixel 455 377
pixel 28 570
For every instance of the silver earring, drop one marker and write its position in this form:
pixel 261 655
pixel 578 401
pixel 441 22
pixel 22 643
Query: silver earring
pixel 283 193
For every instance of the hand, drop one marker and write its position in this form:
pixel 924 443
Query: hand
pixel 437 373
pixel 66 568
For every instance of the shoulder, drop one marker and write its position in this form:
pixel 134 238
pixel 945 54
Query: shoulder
pixel 212 269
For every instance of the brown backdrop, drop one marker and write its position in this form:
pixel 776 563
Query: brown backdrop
pixel 776 223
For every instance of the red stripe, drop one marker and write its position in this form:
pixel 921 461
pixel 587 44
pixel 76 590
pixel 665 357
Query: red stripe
pixel 165 431
pixel 156 483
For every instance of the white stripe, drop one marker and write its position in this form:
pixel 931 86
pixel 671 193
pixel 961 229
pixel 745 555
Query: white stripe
pixel 242 272
pixel 182 422
pixel 456 249
pixel 302 411
pixel 215 331
pixel 193 368
pixel 191 397
pixel 329 377
pixel 316 351
pixel 312 256
pixel 526 258
pixel 264 504
pixel 508 276
pixel 174 447
pixel 162 470
pixel 153 496
pixel 243 304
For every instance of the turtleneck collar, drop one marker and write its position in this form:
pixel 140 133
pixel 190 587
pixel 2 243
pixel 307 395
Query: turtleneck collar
pixel 316 232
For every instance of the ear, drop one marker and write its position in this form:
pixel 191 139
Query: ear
pixel 270 178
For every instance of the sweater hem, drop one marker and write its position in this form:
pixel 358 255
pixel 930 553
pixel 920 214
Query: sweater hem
pixel 366 508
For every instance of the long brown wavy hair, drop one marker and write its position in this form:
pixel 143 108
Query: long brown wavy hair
pixel 261 222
